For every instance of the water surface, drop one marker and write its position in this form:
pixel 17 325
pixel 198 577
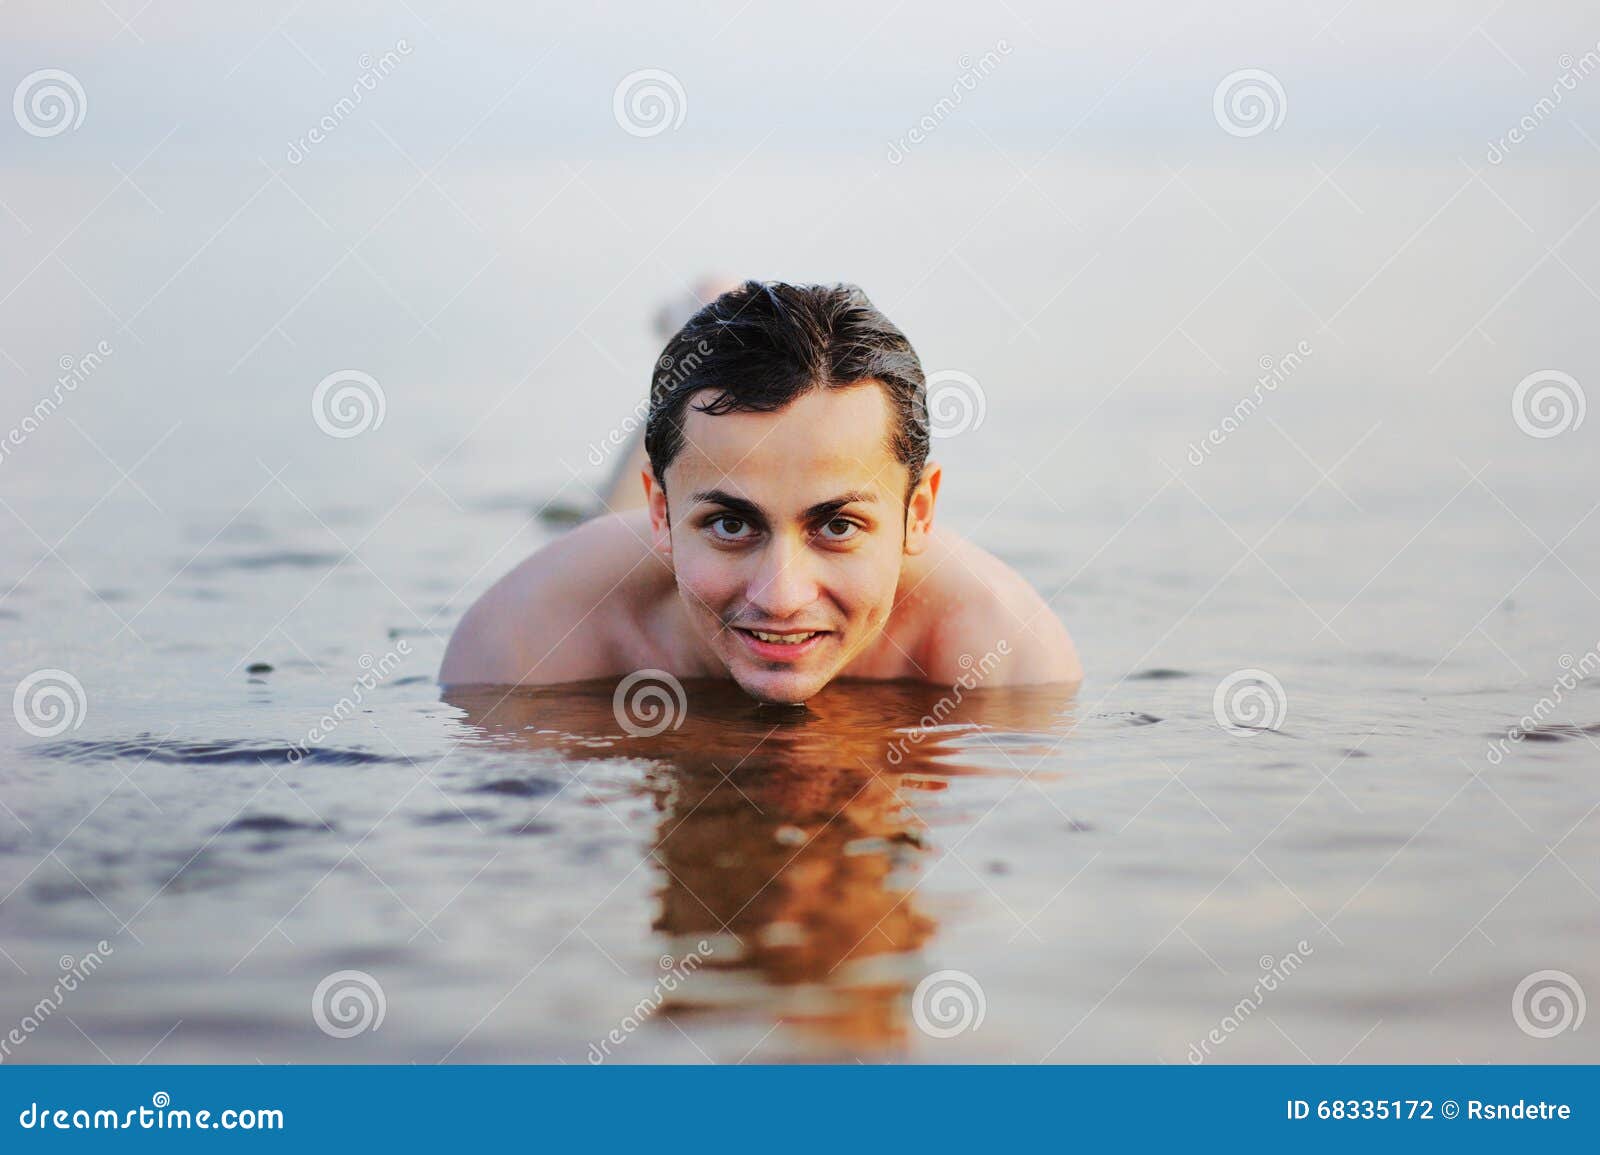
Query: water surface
pixel 1116 872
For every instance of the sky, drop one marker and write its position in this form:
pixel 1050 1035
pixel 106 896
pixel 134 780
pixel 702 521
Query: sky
pixel 1058 199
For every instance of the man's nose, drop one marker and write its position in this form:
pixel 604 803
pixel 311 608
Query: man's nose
pixel 784 584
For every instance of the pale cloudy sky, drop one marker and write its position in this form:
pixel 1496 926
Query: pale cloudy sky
pixel 1441 78
pixel 1082 217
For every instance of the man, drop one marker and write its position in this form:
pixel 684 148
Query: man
pixel 621 492
pixel 788 535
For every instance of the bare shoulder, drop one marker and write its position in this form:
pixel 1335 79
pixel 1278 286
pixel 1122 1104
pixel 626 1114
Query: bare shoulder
pixel 557 616
pixel 982 613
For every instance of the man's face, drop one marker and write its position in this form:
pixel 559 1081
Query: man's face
pixel 786 533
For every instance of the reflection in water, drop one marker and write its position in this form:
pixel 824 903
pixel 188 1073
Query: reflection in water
pixel 793 838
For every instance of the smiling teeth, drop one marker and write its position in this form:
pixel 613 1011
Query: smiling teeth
pixel 784 639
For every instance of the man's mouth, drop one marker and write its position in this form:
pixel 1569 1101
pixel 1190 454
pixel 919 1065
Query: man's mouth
pixel 781 645
pixel 785 639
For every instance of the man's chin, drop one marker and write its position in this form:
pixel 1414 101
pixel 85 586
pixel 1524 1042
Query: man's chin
pixel 779 687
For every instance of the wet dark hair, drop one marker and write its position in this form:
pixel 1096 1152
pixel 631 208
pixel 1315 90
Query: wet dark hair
pixel 758 347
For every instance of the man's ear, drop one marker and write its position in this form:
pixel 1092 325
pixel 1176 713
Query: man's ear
pixel 919 510
pixel 655 497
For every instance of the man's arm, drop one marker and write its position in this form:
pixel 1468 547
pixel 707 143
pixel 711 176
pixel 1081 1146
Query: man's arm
pixel 997 628
pixel 552 618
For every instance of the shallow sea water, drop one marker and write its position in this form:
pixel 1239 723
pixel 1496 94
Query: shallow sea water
pixel 1112 870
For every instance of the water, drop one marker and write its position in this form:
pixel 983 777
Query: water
pixel 1116 872
pixel 1111 868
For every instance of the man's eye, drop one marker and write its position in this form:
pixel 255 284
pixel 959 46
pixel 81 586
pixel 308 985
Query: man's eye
pixel 730 528
pixel 839 529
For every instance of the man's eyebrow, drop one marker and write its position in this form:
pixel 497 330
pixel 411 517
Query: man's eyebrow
pixel 739 505
pixel 826 509
pixel 749 509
